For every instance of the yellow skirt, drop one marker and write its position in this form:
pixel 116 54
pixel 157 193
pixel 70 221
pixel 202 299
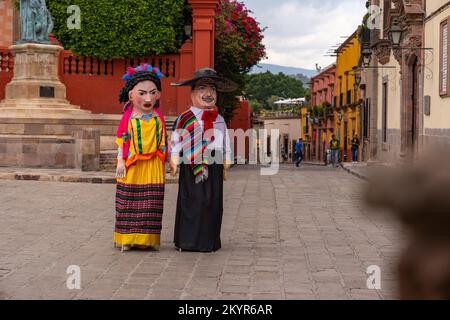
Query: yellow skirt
pixel 139 204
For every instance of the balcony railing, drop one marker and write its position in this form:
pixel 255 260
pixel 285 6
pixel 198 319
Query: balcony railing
pixel 78 65
pixel 6 61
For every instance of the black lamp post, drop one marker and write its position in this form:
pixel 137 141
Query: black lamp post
pixel 395 34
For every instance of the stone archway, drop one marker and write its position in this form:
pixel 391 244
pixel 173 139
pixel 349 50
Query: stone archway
pixel 410 16
pixel 410 106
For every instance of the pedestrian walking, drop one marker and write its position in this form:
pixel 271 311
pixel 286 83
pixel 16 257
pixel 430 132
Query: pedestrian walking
pixel 334 147
pixel 201 145
pixel 299 152
pixel 355 148
pixel 142 154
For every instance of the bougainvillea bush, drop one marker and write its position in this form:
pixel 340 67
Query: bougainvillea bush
pixel 238 47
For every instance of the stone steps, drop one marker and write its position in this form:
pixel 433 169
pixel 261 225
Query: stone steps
pixel 108 160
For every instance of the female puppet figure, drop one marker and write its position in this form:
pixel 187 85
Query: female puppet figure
pixel 142 155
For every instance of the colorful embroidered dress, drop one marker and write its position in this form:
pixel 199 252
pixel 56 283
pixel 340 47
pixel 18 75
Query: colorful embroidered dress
pixel 140 196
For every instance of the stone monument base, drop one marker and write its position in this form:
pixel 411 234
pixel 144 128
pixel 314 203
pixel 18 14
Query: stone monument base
pixel 39 127
pixel 56 142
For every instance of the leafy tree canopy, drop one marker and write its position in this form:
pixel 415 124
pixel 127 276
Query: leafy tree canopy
pixel 262 86
pixel 120 28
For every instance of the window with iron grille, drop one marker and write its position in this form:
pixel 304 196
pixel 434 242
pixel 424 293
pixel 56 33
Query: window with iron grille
pixel 384 115
pixel 444 61
pixel 366 118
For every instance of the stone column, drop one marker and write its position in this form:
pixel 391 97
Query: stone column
pixel 186 72
pixel 411 17
pixel 203 25
pixel 372 92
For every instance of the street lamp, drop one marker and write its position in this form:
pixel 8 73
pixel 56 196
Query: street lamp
pixel 367 56
pixel 188 31
pixel 357 79
pixel 395 34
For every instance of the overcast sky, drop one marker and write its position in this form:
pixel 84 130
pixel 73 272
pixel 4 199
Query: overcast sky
pixel 300 32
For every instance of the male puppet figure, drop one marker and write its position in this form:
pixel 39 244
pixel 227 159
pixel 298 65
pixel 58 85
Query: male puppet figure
pixel 201 145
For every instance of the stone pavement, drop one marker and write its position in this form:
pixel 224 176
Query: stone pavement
pixel 301 234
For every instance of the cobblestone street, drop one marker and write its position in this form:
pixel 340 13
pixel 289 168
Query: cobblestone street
pixel 301 234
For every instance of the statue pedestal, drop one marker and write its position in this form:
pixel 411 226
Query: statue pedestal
pixel 39 127
pixel 35 88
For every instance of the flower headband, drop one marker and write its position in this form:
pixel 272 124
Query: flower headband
pixel 143 67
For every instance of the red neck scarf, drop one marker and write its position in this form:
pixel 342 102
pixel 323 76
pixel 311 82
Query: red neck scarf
pixel 208 117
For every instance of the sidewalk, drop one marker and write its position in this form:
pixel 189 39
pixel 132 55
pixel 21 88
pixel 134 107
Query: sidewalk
pixel 363 170
pixel 63 175
pixel 360 169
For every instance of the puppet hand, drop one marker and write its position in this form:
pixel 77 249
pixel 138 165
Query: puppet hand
pixel 173 169
pixel 226 166
pixel 121 171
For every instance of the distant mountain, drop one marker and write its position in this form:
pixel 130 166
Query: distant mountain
pixel 304 79
pixel 275 69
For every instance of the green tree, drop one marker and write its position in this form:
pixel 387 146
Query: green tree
pixel 120 28
pixel 271 102
pixel 262 86
pixel 255 106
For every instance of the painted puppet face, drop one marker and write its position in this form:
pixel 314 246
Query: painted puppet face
pixel 204 95
pixel 144 96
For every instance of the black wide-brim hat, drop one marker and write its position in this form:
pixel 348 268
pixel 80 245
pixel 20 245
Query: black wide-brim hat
pixel 222 84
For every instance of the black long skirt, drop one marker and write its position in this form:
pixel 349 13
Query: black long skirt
pixel 199 210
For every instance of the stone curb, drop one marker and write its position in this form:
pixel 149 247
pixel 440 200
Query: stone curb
pixel 355 173
pixel 49 177
pixel 312 163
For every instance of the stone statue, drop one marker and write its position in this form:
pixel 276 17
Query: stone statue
pixel 36 21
